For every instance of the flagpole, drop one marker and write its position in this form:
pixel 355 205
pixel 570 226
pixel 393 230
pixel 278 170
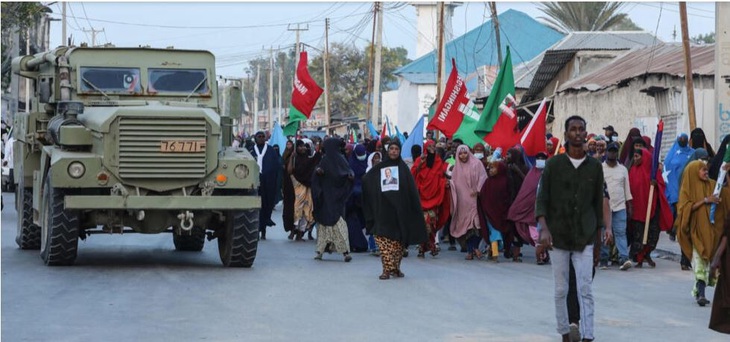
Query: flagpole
pixel 439 89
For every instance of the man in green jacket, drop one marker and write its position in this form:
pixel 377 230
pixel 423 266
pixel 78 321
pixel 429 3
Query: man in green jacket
pixel 569 210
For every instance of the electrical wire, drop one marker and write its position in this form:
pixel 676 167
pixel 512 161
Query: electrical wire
pixel 653 44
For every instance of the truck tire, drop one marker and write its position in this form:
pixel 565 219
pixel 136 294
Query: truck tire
pixel 192 241
pixel 28 234
pixel 60 228
pixel 239 241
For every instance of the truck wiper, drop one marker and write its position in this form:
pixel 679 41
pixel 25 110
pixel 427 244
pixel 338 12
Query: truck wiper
pixel 205 78
pixel 92 85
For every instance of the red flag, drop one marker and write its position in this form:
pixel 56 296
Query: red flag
pixel 384 133
pixel 456 115
pixel 506 131
pixel 533 137
pixel 305 92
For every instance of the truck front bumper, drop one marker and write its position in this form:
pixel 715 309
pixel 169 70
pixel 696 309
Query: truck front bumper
pixel 163 202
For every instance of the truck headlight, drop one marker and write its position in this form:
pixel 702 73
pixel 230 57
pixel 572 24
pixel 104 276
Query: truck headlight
pixel 241 171
pixel 76 169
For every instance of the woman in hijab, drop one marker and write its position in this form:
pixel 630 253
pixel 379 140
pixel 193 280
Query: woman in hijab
pixel 331 186
pixel 302 165
pixel 717 159
pixel 466 182
pixel 697 139
pixel 517 169
pixel 429 172
pixel 626 153
pixel 392 210
pixel 660 218
pixel 696 235
pixel 494 206
pixel 354 216
pixel 287 189
pixel 522 211
pixel 374 158
pixel 677 158
pixel 720 267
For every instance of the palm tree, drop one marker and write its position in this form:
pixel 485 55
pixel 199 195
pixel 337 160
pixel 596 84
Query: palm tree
pixel 582 16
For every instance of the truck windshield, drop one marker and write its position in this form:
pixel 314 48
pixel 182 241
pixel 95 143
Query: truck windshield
pixel 109 80
pixel 187 81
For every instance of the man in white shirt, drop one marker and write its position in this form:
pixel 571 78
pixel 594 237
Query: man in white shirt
pixel 617 182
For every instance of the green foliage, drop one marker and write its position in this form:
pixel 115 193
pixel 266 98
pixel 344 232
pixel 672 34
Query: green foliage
pixel 582 16
pixel 700 39
pixel 626 25
pixel 282 59
pixel 14 17
pixel 348 76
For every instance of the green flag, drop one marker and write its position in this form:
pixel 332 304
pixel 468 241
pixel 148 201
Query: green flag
pixel 504 86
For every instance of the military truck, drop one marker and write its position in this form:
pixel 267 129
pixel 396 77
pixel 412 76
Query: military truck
pixel 130 140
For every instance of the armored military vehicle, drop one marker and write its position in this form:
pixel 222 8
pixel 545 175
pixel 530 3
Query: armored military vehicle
pixel 130 140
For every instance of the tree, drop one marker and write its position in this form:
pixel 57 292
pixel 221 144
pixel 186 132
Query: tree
pixel 282 59
pixel 702 39
pixel 626 25
pixel 582 16
pixel 23 18
pixel 348 81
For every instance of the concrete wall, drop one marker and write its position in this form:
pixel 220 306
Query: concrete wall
pixel 722 69
pixel 628 107
pixel 427 26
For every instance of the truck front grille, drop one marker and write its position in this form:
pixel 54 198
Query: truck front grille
pixel 140 154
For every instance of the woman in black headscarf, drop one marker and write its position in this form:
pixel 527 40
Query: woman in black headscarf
pixel 697 139
pixel 353 212
pixel 392 209
pixel 331 186
pixel 287 189
pixel 302 165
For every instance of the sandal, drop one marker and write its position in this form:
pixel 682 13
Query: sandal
pixel 435 251
pixel 478 254
pixel 318 256
pixel 651 262
pixel 469 256
pixel 348 257
pixel 398 274
pixel 384 276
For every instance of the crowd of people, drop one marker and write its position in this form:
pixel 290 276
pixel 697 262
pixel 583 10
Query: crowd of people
pixel 606 204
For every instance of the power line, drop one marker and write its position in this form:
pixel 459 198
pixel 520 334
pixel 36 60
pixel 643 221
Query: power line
pixel 653 44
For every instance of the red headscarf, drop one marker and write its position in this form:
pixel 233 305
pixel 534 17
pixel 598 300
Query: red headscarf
pixel 640 183
pixel 494 199
pixel 431 182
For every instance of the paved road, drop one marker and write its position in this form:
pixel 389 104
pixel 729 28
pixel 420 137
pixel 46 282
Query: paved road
pixel 137 288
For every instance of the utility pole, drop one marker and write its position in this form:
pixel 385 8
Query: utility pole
pixel 93 35
pixel 63 24
pixel 687 66
pixel 14 78
pixel 378 54
pixel 326 74
pixel 256 100
pixel 440 49
pixel 27 80
pixel 722 69
pixel 297 48
pixel 271 87
pixel 278 110
pixel 495 21
pixel 372 59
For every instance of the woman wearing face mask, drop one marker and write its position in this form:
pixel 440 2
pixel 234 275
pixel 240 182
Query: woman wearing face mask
pixel 466 182
pixel 696 235
pixel 354 215
pixel 479 151
pixel 522 211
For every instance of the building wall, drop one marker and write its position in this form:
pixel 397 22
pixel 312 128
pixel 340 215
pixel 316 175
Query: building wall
pixel 628 107
pixel 427 14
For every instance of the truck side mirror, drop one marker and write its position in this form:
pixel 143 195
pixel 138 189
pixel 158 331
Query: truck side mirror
pixel 234 99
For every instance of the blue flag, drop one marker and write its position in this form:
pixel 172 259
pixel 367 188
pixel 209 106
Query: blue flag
pixel 400 135
pixel 278 138
pixel 415 138
pixel 373 131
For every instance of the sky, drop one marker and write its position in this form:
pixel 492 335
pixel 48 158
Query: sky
pixel 236 32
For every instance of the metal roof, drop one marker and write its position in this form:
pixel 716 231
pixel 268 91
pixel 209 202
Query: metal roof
pixel 606 40
pixel 552 63
pixel 661 59
pixel 526 37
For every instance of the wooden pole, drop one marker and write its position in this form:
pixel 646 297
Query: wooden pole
pixel 648 214
pixel 440 50
pixel 326 75
pixel 495 21
pixel 687 66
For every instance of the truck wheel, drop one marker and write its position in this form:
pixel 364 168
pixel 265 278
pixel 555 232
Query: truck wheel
pixel 28 235
pixel 239 241
pixel 60 229
pixel 192 241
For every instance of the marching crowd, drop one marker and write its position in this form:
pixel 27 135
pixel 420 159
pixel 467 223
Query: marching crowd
pixel 589 189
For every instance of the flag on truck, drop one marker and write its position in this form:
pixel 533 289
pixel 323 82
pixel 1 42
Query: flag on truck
pixel 456 115
pixel 305 94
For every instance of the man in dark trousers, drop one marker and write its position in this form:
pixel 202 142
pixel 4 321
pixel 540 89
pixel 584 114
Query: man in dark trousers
pixel 270 168
pixel 569 210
